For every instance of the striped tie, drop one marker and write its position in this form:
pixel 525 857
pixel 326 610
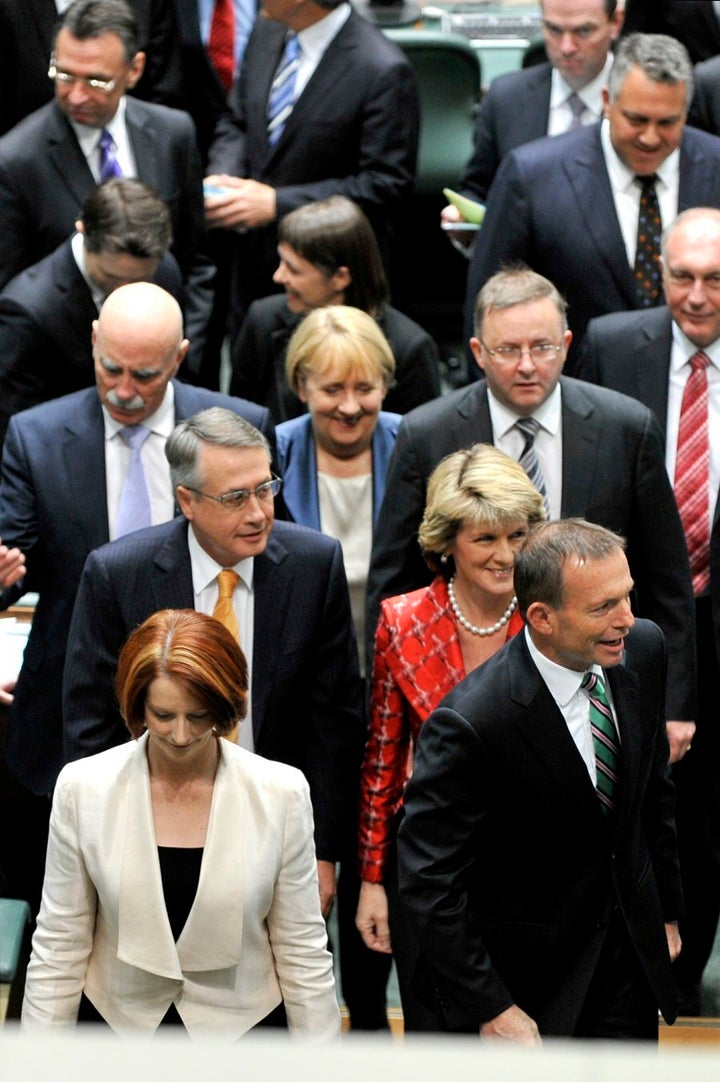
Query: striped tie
pixel 692 471
pixel 528 428
pixel 109 166
pixel 282 91
pixel 605 741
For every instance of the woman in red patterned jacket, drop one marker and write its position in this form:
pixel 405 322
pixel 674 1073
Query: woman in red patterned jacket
pixel 480 505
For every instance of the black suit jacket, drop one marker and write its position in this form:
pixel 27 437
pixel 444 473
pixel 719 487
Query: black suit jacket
pixel 630 352
pixel 26 34
pixel 306 707
pixel 46 316
pixel 551 207
pixel 53 506
pixel 353 131
pixel 514 111
pixel 705 107
pixel 692 22
pixel 259 354
pixel 45 179
pixel 508 866
pixel 613 473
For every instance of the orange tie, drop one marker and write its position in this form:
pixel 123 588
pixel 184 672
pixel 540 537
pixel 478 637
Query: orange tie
pixel 224 612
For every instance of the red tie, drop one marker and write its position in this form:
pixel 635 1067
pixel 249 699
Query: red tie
pixel 221 46
pixel 692 470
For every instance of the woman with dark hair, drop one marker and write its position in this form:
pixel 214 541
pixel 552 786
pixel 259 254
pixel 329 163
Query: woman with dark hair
pixel 180 884
pixel 328 255
pixel 480 505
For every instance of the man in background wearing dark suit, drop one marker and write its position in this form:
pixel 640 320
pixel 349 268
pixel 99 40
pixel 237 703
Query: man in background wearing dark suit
pixel 586 209
pixel 537 856
pixel 546 99
pixel 50 162
pixel 46 313
pixel 68 475
pixel 349 127
pixel 600 455
pixel 654 356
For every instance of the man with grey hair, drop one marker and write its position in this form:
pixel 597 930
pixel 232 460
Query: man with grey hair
pixel 586 209
pixel 597 454
pixel 122 235
pixel 537 857
pixel 291 611
pixel 669 359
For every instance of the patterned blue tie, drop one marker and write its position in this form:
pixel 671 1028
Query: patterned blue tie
pixel 134 510
pixel 528 428
pixel 109 165
pixel 605 741
pixel 282 91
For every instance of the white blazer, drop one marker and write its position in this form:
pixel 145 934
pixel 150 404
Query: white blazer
pixel 254 936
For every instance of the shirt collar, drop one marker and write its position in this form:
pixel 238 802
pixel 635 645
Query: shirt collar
pixel 685 349
pixel 548 415
pixel 590 95
pixel 88 137
pixel 77 245
pixel 161 422
pixel 622 178
pixel 205 570
pixel 315 39
pixel 562 683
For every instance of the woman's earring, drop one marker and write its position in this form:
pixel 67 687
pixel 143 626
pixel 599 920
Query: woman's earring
pixel 444 558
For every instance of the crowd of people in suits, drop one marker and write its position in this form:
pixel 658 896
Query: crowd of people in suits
pixel 438 597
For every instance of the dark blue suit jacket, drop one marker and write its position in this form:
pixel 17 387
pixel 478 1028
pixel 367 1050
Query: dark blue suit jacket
pixel 298 464
pixel 306 705
pixel 509 869
pixel 551 207
pixel 46 316
pixel 45 179
pixel 53 506
pixel 513 112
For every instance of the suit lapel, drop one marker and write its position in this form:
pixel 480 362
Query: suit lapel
pixel 301 486
pixel 581 442
pixel 272 589
pixel 82 453
pixel 651 365
pixel 587 176
pixel 142 136
pixel 67 158
pixel 172 586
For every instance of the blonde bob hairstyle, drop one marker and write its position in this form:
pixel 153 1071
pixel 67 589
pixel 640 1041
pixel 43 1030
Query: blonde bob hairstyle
pixel 194 649
pixel 478 486
pixel 342 335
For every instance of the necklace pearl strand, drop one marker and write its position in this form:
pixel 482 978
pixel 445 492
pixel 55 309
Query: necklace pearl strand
pixel 482 631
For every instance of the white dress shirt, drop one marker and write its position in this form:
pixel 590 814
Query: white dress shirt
pixel 560 114
pixel 565 687
pixel 548 442
pixel 88 138
pixel 155 465
pixel 626 193
pixel 205 573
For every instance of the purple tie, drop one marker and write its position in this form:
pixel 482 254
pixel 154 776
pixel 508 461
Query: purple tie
pixel 109 166
pixel 134 510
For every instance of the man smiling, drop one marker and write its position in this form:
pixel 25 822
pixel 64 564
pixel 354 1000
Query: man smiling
pixel 537 855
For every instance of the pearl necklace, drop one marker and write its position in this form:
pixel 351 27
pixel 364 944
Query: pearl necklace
pixel 471 627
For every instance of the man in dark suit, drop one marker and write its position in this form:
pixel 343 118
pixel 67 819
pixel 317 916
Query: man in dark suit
pixel 63 471
pixel 47 311
pixel 292 616
pixel 352 130
pixel 600 455
pixel 537 856
pixel 649 355
pixel 50 162
pixel 569 207
pixel 27 28
pixel 540 100
pixel 705 108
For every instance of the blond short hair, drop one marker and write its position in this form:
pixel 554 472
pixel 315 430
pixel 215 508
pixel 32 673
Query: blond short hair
pixel 478 485
pixel 343 335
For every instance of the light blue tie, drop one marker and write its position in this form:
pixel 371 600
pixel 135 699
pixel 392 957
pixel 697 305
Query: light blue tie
pixel 134 510
pixel 109 165
pixel 282 91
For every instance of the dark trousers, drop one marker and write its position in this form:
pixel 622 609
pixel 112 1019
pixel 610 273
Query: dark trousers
pixel 697 788
pixel 363 972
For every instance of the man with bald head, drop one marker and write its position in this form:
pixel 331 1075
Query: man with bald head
pixel 78 472
pixel 669 359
